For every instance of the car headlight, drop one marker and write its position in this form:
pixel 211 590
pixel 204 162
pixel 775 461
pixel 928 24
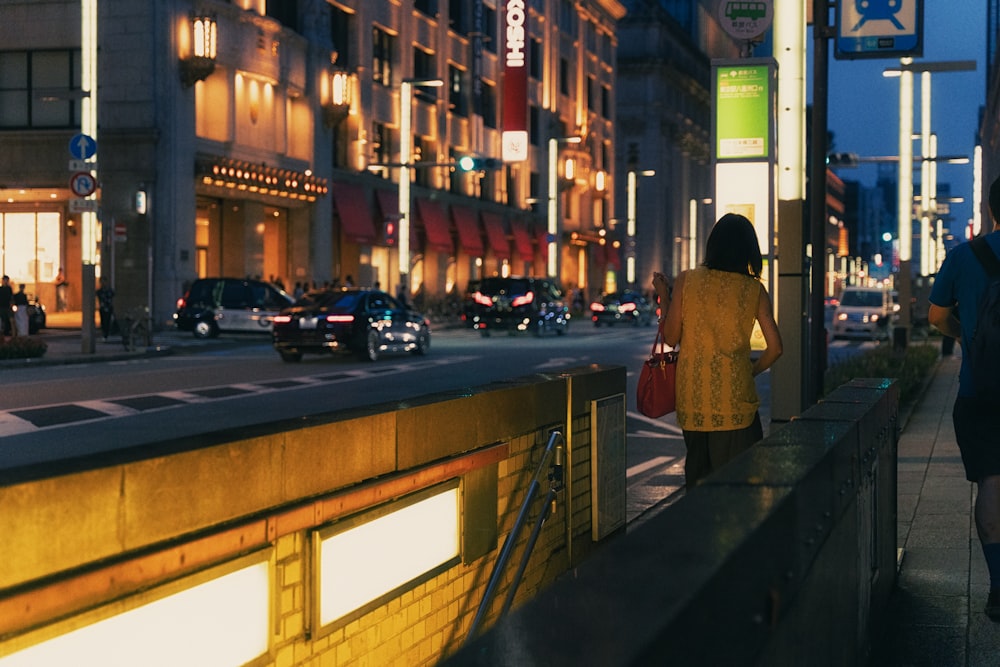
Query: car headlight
pixel 841 317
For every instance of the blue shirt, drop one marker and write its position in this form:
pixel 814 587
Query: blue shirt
pixel 961 281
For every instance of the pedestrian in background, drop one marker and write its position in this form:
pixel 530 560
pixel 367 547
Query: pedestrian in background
pixel 711 316
pixel 20 301
pixel 6 301
pixel 960 283
pixel 62 286
pixel 106 307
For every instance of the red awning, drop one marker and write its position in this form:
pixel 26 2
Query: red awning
pixel 522 240
pixel 435 223
pixel 611 254
pixel 469 236
pixel 354 212
pixel 496 235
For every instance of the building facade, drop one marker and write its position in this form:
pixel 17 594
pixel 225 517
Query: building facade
pixel 254 138
pixel 664 130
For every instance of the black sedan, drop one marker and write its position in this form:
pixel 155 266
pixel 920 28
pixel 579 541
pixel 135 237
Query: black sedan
pixel 626 307
pixel 360 321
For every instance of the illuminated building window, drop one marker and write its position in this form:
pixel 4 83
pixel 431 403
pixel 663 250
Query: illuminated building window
pixel 365 560
pixel 216 618
pixel 383 52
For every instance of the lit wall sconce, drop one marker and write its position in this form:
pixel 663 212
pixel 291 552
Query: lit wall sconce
pixel 338 97
pixel 201 62
pixel 601 183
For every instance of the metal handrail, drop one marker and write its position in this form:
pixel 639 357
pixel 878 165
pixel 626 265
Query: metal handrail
pixel 553 457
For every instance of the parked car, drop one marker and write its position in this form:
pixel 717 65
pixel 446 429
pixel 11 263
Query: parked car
pixel 362 321
pixel 515 304
pixel 864 312
pixel 626 307
pixel 213 305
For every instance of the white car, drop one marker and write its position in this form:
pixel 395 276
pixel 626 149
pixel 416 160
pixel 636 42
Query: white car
pixel 864 312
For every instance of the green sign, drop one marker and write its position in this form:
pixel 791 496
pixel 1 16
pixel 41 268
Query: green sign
pixel 743 113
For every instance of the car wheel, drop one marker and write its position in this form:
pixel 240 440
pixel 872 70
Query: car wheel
pixel 205 329
pixel 485 333
pixel 370 350
pixel 290 357
pixel 597 323
pixel 423 343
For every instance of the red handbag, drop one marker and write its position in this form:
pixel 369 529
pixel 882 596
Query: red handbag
pixel 656 393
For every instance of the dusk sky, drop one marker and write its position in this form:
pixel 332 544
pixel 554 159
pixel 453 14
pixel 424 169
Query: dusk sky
pixel 864 105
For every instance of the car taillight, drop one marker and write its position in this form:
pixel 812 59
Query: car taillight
pixel 626 307
pixel 482 299
pixel 180 303
pixel 282 319
pixel 340 319
pixel 596 307
pixel 523 300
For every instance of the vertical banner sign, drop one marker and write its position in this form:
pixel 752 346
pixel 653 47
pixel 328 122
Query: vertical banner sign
pixel 515 82
pixel 478 21
pixel 744 95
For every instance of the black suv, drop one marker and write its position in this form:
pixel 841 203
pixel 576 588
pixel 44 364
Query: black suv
pixel 512 304
pixel 229 304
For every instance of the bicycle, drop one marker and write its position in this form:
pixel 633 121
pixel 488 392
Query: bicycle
pixel 135 329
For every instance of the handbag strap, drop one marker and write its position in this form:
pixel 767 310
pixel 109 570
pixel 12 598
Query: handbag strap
pixel 659 342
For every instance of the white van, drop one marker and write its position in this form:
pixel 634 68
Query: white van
pixel 864 312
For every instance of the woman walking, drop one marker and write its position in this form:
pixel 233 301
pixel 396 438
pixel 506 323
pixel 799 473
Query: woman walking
pixel 711 317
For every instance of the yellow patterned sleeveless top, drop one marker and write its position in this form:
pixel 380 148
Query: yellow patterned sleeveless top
pixel 715 386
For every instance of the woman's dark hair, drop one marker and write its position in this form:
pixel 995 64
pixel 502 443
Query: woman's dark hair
pixel 732 246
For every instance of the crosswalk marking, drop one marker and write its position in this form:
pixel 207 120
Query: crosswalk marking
pixel 36 418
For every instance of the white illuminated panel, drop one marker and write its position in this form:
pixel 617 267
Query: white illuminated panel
pixel 363 563
pixel 744 188
pixel 218 623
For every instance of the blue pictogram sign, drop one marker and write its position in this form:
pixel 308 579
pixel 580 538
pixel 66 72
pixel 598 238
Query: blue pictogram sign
pixel 879 28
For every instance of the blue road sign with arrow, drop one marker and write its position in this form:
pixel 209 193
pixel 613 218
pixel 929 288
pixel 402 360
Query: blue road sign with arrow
pixel 82 146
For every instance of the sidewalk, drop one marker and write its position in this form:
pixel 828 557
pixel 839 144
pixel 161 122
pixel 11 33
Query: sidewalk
pixel 64 344
pixel 936 612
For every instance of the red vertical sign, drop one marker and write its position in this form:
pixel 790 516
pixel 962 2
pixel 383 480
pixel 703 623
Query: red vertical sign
pixel 515 82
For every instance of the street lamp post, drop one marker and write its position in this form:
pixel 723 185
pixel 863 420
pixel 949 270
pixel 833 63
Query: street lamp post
pixel 904 202
pixel 405 148
pixel 632 182
pixel 552 232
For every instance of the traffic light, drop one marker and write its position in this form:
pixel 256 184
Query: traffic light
pixel 389 232
pixel 842 160
pixel 477 163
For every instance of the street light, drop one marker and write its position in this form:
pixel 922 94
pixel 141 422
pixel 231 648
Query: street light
pixel 552 261
pixel 405 147
pixel 904 200
pixel 633 178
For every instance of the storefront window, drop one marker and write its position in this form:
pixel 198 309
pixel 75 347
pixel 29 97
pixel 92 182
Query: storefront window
pixel 31 247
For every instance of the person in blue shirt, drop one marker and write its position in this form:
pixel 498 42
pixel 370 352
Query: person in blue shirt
pixel 959 285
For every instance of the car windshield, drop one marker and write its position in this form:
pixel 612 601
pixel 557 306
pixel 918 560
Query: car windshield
pixel 864 299
pixel 511 287
pixel 338 301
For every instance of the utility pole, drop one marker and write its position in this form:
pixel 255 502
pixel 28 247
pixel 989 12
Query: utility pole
pixel 817 199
